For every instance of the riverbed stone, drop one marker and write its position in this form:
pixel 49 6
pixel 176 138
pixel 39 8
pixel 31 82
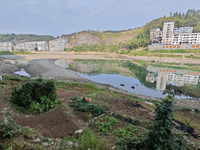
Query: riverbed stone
pixel 45 144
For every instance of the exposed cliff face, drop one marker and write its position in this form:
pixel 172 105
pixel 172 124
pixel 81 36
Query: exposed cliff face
pixel 84 38
pixel 87 68
pixel 103 68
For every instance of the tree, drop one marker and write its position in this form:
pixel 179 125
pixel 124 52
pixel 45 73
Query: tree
pixel 160 135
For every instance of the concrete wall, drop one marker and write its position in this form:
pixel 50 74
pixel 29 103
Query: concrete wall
pixel 173 47
pixel 4 46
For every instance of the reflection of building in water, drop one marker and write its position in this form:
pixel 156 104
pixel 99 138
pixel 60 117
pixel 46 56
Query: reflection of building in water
pixel 151 78
pixel 173 77
pixel 61 63
pixel 161 81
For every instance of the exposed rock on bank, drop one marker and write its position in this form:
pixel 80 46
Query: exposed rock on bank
pixel 8 68
pixel 86 38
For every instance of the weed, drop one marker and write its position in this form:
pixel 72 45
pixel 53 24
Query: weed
pixel 126 131
pixel 89 116
pixel 37 94
pixel 91 141
pixel 9 127
pixel 105 126
pixel 106 104
pixel 84 106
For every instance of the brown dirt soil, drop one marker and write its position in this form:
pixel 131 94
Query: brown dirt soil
pixel 52 124
pixel 66 94
pixel 56 123
pixel 124 106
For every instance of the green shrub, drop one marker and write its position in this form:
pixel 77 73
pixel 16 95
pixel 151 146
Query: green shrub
pixel 160 135
pixel 9 127
pixel 83 106
pixel 37 91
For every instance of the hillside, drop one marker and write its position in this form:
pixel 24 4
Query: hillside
pixel 124 41
pixel 25 37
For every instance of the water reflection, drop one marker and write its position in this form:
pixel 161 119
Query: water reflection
pixel 167 76
pixel 61 63
pixel 146 78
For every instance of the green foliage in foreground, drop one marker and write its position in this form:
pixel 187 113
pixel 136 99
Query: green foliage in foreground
pixel 87 140
pixel 84 106
pixel 37 94
pixel 91 141
pixel 160 135
pixel 9 127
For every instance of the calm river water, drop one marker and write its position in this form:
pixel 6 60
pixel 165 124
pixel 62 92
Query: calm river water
pixel 143 78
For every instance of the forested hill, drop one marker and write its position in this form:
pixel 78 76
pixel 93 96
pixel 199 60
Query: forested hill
pixel 25 37
pixel 127 40
pixel 116 41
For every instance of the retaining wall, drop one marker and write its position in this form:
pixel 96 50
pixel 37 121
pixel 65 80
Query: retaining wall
pixel 173 47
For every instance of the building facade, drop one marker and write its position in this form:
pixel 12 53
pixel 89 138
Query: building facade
pixel 57 45
pixel 42 46
pixel 168 30
pixel 6 46
pixel 174 38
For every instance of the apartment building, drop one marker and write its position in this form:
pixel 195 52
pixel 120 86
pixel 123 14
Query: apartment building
pixel 174 36
pixel 42 45
pixel 30 46
pixel 187 29
pixel 6 46
pixel 57 45
pixel 168 30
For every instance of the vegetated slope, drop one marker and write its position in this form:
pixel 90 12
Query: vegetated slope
pixel 125 41
pixel 25 37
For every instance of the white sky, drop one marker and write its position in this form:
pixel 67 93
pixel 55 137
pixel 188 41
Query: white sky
pixel 57 17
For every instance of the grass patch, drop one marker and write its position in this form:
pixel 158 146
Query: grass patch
pixel 14 52
pixel 15 78
pixel 177 51
pixel 139 53
pixel 192 56
pixel 87 140
pixel 194 123
pixel 164 55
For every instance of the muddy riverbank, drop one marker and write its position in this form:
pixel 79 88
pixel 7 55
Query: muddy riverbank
pixel 48 70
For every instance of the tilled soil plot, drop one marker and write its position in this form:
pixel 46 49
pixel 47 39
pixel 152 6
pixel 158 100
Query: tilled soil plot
pixel 129 108
pixel 52 124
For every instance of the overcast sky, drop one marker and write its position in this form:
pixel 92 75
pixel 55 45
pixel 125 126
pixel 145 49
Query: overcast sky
pixel 57 17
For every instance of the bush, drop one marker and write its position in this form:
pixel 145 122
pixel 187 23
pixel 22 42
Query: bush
pixel 83 106
pixel 9 127
pixel 37 91
pixel 160 135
